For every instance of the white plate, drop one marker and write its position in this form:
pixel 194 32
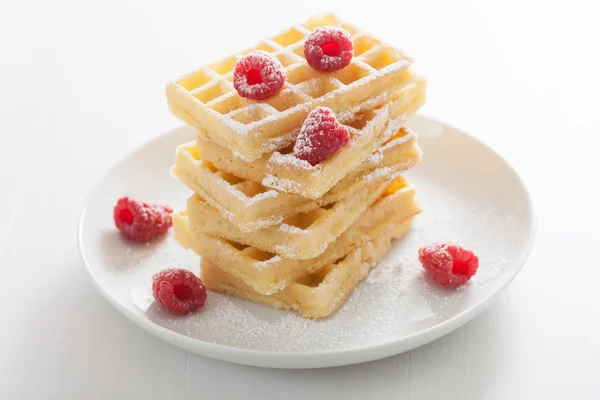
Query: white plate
pixel 467 191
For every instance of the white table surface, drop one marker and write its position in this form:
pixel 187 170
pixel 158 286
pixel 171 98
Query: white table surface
pixel 82 84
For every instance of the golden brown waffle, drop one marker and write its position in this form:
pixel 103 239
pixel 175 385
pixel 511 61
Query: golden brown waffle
pixel 317 295
pixel 268 273
pixel 300 237
pixel 207 100
pixel 251 206
pixel 288 174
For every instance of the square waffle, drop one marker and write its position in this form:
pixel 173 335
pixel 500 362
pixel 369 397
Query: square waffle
pixel 288 174
pixel 314 296
pixel 207 100
pixel 251 206
pixel 267 273
pixel 299 237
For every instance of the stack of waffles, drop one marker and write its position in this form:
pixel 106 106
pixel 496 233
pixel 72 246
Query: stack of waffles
pixel 275 229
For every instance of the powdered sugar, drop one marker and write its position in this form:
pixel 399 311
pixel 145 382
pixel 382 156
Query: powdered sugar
pixel 264 223
pixel 378 173
pixel 269 194
pixel 350 113
pixel 286 185
pixel 258 223
pixel 398 141
pixel 231 189
pixel 261 223
pixel 394 126
pixel 269 145
pixel 292 251
pixel 242 157
pixel 124 256
pixel 398 298
pixel 375 158
pixel 290 159
pixel 263 264
pixel 293 229
pixel 277 287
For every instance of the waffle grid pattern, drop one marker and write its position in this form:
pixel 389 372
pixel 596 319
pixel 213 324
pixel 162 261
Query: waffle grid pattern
pixel 300 237
pixel 267 273
pixel 317 295
pixel 285 173
pixel 208 93
pixel 252 206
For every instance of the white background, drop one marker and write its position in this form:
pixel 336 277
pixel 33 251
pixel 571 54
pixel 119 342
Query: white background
pixel 82 84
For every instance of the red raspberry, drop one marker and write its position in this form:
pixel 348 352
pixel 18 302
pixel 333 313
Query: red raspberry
pixel 178 290
pixel 258 75
pixel 321 136
pixel 449 264
pixel 139 221
pixel 328 48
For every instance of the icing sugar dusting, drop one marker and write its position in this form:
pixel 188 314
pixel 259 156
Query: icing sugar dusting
pixel 293 229
pixel 276 143
pixel 233 190
pixel 378 173
pixel 375 158
pixel 286 185
pixel 245 226
pixel 243 157
pixel 260 223
pixel 350 113
pixel 397 298
pixel 269 194
pixel 263 264
pixel 290 159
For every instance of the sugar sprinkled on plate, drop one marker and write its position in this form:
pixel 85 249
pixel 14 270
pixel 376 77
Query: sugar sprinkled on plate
pixel 396 299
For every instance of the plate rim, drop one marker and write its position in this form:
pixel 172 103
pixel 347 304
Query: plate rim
pixel 320 358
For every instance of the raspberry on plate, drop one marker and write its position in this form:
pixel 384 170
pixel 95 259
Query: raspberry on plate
pixel 139 221
pixel 449 264
pixel 328 48
pixel 321 136
pixel 178 290
pixel 258 75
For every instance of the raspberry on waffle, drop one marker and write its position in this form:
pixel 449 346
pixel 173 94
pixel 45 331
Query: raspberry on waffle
pixel 250 206
pixel 283 171
pixel 207 99
pixel 296 165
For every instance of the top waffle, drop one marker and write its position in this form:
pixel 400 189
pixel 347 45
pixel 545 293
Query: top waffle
pixel 207 100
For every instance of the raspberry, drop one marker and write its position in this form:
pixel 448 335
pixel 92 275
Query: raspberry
pixel 178 290
pixel 449 264
pixel 139 221
pixel 328 48
pixel 258 75
pixel 321 136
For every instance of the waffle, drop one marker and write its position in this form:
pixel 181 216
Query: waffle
pixel 300 237
pixel 314 296
pixel 207 100
pixel 288 174
pixel 267 273
pixel 251 206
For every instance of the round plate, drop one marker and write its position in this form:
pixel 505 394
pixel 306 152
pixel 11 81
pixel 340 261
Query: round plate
pixel 467 191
